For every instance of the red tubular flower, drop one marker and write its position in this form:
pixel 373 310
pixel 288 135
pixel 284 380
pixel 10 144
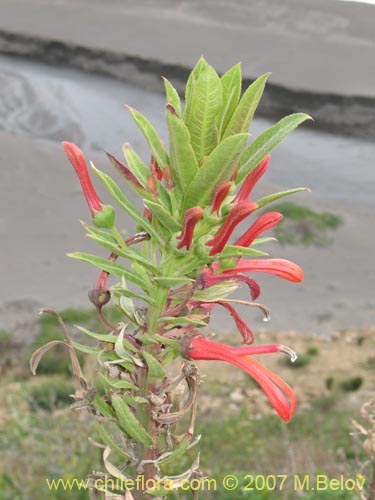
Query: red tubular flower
pixel 76 158
pixel 279 267
pixel 124 171
pixel 243 328
pixel 261 225
pixel 191 218
pixel 251 179
pixel 220 193
pixel 280 395
pixel 208 278
pixel 235 216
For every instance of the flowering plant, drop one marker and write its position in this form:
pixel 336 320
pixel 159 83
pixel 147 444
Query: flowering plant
pixel 181 263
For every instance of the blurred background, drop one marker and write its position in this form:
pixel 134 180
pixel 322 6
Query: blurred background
pixel 67 67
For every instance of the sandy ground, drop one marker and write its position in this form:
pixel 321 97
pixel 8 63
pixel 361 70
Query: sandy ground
pixel 324 46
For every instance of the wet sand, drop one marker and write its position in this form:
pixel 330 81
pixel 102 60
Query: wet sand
pixel 41 202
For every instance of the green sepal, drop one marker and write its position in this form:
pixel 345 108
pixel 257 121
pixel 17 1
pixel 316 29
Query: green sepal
pixel 276 196
pixel 266 142
pixel 105 217
pixel 243 115
pixel 129 423
pixel 155 369
pixel 151 136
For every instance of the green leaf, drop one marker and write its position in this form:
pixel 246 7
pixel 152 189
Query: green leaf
pixel 243 115
pixel 276 196
pixel 118 384
pixel 151 137
pixel 107 439
pixel 218 167
pixel 119 290
pixel 172 96
pixel 231 88
pixel 123 201
pixel 120 350
pixel 197 70
pixel 110 267
pixel 183 162
pixel 216 292
pixel 142 172
pixel 127 252
pixel 261 241
pixel 182 319
pixel 155 370
pixel 102 337
pixel 164 217
pixel 237 251
pixel 205 104
pixel 177 453
pixel 129 423
pixel 104 235
pixel 170 282
pixel 93 351
pixel 103 408
pixel 267 141
pixel 136 165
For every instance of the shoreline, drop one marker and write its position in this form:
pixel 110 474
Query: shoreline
pixel 350 115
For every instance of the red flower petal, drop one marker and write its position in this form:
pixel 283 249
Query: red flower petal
pixel 251 179
pixel 279 267
pixel 261 225
pixel 76 158
pixel 235 216
pixel 280 395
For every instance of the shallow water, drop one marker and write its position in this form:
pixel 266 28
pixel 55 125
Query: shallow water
pixel 54 104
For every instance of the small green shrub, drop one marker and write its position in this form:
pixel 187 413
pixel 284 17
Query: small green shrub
pixel 351 384
pixel 360 339
pixel 329 383
pixel 50 394
pixel 301 361
pixel 301 225
pixel 312 350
